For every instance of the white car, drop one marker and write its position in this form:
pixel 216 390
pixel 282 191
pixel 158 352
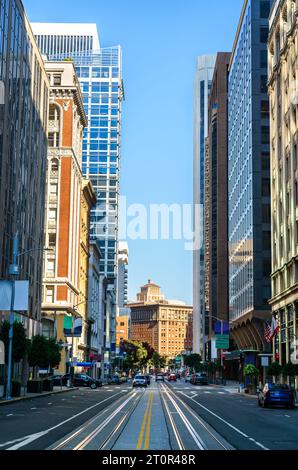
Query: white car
pixel 139 381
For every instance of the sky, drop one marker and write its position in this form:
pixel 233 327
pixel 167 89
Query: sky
pixel 161 40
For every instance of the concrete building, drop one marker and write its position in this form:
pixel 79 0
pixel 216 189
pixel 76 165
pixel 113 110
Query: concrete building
pixel 249 182
pixel 69 198
pixel 122 274
pixel 100 75
pixel 216 201
pixel 123 327
pixel 165 325
pixel 96 311
pixel 23 154
pixel 283 57
pixel 203 79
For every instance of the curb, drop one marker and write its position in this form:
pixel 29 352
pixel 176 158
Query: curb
pixel 39 395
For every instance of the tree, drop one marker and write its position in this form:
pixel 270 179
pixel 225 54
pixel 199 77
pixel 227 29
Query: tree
pixel 274 370
pixel 193 361
pixel 39 354
pixel 54 351
pixel 136 354
pixel 252 372
pixel 290 370
pixel 158 361
pixel 19 341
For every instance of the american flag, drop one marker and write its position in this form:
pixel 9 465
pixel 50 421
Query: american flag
pixel 268 333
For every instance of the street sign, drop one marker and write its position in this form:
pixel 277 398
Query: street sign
pixel 222 341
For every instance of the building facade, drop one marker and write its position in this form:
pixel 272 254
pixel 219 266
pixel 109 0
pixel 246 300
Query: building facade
pixel 69 197
pixel 165 325
pixel 122 274
pixel 283 57
pixel 203 79
pixel 23 154
pixel 100 75
pixel 249 181
pixel 123 327
pixel 216 200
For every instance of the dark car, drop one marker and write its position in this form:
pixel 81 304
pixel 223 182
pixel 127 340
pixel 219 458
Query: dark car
pixel 172 378
pixel 200 378
pixel 276 394
pixel 60 379
pixel 114 380
pixel 83 380
pixel 159 378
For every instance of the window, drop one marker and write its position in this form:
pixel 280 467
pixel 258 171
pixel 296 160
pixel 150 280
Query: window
pixel 263 84
pixel 266 240
pixel 54 126
pixel 265 187
pixel 264 9
pixel 54 189
pixel 52 214
pixel 50 294
pixel 264 35
pixel 51 267
pixel 265 109
pixel 52 240
pixel 57 80
pixel 266 214
pixel 263 59
pixel 265 135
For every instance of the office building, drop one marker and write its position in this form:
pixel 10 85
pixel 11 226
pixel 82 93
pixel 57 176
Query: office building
pixel 216 201
pixel 203 79
pixel 249 182
pixel 283 57
pixel 122 274
pixel 23 154
pixel 123 327
pixel 69 200
pixel 100 75
pixel 165 325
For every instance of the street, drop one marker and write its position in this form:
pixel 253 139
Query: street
pixel 164 416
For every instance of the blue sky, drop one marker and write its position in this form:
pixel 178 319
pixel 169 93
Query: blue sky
pixel 161 40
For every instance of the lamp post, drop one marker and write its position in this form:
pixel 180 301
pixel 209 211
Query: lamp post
pixel 14 272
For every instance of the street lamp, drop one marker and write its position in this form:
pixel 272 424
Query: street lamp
pixel 14 271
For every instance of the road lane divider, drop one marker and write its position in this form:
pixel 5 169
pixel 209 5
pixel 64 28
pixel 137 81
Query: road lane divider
pixel 144 422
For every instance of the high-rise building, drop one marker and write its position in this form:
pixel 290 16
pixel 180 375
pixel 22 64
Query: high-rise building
pixel 68 203
pixel 164 324
pixel 283 58
pixel 122 274
pixel 216 201
pixel 100 75
pixel 249 181
pixel 23 154
pixel 203 79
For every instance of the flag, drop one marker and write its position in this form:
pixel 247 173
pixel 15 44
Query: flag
pixel 267 333
pixel 274 327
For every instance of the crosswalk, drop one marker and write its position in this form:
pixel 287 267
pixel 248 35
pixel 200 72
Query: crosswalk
pixel 206 390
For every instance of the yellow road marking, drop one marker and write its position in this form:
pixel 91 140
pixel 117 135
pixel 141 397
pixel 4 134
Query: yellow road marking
pixel 147 438
pixel 141 435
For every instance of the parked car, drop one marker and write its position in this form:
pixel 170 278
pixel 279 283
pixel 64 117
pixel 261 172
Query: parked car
pixel 159 378
pixel 276 394
pixel 83 380
pixel 60 379
pixel 172 378
pixel 187 378
pixel 200 378
pixel 123 379
pixel 139 381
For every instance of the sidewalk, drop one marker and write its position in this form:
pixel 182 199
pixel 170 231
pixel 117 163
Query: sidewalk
pixel 30 396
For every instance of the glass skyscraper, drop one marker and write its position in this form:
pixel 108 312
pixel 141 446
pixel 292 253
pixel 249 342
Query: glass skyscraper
pixel 249 178
pixel 100 75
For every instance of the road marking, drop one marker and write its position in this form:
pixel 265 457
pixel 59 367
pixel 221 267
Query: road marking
pixel 33 408
pixel 147 437
pixel 220 393
pixel 141 435
pixel 199 442
pixel 227 423
pixel 207 393
pixel 10 414
pixel 33 437
pixel 50 403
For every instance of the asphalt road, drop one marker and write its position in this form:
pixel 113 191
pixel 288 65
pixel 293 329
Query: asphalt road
pixel 175 416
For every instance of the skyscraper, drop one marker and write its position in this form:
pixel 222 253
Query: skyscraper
pixel 100 76
pixel 203 79
pixel 249 181
pixel 23 153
